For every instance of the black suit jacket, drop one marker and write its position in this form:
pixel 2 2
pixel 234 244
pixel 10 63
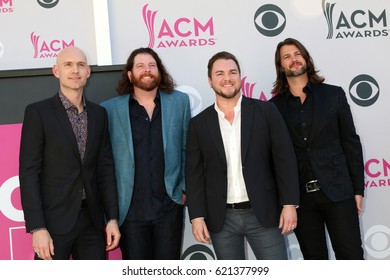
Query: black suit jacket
pixel 268 165
pixel 52 174
pixel 334 148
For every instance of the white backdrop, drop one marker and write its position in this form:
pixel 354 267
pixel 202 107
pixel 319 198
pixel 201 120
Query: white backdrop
pixel 348 40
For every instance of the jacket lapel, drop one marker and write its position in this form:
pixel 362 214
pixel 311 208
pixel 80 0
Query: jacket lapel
pixel 62 117
pixel 123 115
pixel 166 113
pixel 247 111
pixel 215 131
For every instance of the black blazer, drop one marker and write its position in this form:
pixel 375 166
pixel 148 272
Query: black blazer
pixel 268 164
pixel 51 172
pixel 334 148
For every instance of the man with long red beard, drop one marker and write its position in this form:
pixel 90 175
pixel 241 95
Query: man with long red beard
pixel 148 125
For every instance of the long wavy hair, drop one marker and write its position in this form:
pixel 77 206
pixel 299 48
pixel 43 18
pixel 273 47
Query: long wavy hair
pixel 281 84
pixel 125 86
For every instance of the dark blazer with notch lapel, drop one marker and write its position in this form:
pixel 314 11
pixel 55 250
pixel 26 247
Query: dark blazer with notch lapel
pixel 52 173
pixel 268 161
pixel 334 148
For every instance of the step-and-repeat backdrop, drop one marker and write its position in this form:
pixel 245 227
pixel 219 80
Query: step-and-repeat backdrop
pixel 348 40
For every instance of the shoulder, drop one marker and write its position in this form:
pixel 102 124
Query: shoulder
pixel 328 88
pixel 44 104
pixel 176 94
pixel 114 101
pixel 204 116
pixel 246 101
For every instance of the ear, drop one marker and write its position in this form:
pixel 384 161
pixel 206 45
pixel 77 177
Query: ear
pixel 89 71
pixel 129 75
pixel 209 79
pixel 54 69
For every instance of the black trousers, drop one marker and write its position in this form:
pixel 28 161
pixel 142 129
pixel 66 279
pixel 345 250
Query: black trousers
pixel 83 242
pixel 160 239
pixel 341 220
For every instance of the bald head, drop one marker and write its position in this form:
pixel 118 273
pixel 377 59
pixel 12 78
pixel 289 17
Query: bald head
pixel 71 52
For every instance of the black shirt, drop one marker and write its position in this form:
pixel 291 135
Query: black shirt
pixel 150 199
pixel 300 120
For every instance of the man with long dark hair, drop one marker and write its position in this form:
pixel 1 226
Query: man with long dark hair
pixel 329 154
pixel 148 125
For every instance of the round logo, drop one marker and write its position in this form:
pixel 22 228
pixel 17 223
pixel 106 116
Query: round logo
pixel 195 99
pixel 270 20
pixel 198 252
pixel 48 3
pixel 1 49
pixel 377 240
pixel 364 90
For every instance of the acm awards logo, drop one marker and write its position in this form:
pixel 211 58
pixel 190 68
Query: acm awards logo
pixel 182 32
pixel 48 48
pixel 377 173
pixel 270 20
pixel 359 23
pixel 6 6
pixel 48 4
pixel 247 89
pixel 364 90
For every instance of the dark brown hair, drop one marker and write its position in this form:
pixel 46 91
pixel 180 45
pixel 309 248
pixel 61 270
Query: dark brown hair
pixel 167 84
pixel 281 84
pixel 221 55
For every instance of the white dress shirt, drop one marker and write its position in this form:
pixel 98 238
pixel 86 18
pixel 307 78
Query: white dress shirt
pixel 231 136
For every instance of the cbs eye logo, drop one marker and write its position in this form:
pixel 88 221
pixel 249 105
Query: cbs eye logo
pixel 364 90
pixel 270 20
pixel 195 99
pixel 1 49
pixel 198 252
pixel 377 242
pixel 48 3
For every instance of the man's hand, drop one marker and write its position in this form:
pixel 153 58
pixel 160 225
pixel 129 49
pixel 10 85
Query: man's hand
pixel 199 230
pixel 288 218
pixel 112 235
pixel 43 245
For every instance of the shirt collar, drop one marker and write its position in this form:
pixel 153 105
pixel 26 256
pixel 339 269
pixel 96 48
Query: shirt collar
pixel 237 108
pixel 66 102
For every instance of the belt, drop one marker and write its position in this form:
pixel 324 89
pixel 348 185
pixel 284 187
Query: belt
pixel 84 204
pixel 312 186
pixel 241 205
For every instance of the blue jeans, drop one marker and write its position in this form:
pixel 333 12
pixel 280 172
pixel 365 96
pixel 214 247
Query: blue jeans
pixel 266 243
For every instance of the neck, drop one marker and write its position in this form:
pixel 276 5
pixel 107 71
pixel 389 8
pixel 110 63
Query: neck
pixel 143 96
pixel 76 97
pixel 296 84
pixel 227 105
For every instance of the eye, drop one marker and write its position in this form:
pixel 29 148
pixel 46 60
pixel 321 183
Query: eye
pixel 198 252
pixel 48 3
pixel 377 241
pixel 364 90
pixel 270 20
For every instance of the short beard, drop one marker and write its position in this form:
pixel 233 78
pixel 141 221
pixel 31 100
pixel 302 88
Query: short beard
pixel 147 86
pixel 299 72
pixel 234 94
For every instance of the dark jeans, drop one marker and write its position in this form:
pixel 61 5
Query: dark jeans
pixel 153 240
pixel 83 242
pixel 266 243
pixel 341 220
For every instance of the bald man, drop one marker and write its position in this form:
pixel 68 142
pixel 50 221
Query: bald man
pixel 67 179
